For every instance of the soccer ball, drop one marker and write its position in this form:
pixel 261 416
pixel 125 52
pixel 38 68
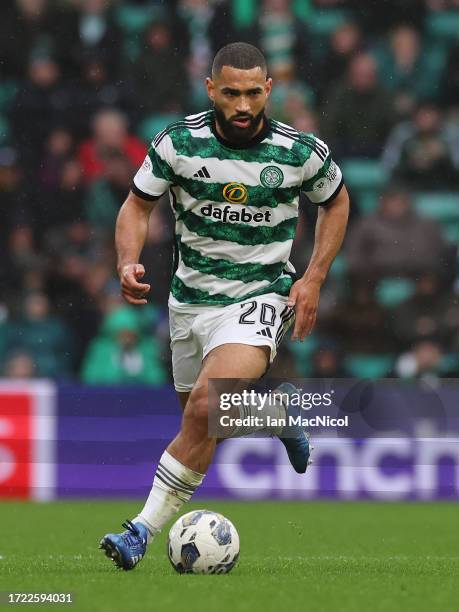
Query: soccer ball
pixel 203 542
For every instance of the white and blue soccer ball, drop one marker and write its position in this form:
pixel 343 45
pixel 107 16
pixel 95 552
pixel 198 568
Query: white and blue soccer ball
pixel 203 542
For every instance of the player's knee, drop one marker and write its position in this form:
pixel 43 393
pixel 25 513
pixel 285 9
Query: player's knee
pixel 197 409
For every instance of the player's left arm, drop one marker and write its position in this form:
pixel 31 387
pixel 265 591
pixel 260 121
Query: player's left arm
pixel 330 230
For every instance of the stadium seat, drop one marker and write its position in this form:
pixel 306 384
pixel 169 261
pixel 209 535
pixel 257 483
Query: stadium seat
pixel 443 207
pixel 449 363
pixel 133 19
pixel 244 13
pixel 391 292
pixel 153 124
pixel 339 267
pixel 451 232
pixel 363 174
pixel 302 353
pixel 443 25
pixel 368 200
pixel 369 366
pixel 8 90
pixel 323 22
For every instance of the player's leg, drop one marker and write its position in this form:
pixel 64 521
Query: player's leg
pixel 183 398
pixel 192 446
pixel 183 464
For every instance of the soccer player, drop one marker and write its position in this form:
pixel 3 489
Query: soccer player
pixel 234 177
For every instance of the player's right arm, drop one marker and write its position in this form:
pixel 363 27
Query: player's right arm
pixel 130 235
pixel 152 180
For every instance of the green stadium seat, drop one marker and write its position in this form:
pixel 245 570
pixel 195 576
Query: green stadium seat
pixel 302 352
pixel 134 19
pixel 153 124
pixel 443 207
pixel 391 292
pixel 339 267
pixel 451 232
pixel 8 91
pixel 363 174
pixel 244 13
pixel 368 201
pixel 443 25
pixel 369 366
pixel 324 22
pixel 449 363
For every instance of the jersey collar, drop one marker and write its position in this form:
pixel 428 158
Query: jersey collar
pixel 262 134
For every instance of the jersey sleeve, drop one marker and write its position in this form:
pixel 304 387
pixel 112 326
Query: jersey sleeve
pixel 322 177
pixel 155 175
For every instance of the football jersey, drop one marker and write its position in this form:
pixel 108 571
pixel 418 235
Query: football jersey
pixel 236 206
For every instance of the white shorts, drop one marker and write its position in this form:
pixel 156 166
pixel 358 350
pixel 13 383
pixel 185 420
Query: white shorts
pixel 196 330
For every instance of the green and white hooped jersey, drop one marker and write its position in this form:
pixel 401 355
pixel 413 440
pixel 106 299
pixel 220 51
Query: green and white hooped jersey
pixel 236 209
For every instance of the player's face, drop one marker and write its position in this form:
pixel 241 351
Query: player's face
pixel 239 98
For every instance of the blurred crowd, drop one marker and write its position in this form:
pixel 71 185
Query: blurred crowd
pixel 86 84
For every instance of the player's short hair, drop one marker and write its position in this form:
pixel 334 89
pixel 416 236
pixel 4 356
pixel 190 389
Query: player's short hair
pixel 239 55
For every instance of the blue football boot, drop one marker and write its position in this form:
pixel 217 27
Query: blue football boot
pixel 128 548
pixel 293 437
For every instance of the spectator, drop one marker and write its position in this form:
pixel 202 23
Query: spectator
pixel 360 324
pixel 283 39
pixel 442 5
pixel 450 88
pixel 432 313
pixel 110 133
pixel 358 111
pixel 160 77
pixel 58 148
pixel 98 88
pixel 405 69
pixel 62 206
pixel 376 17
pixel 19 365
pixel 278 32
pixel 107 193
pixel 67 290
pixel 120 355
pixel 29 27
pixel 327 362
pixel 41 101
pixel 14 209
pixel 42 335
pixel 423 361
pixel 423 153
pixel 345 42
pixel 194 30
pixel 96 34
pixel 395 241
pixel 22 258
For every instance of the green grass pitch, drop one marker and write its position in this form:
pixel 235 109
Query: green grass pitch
pixel 294 556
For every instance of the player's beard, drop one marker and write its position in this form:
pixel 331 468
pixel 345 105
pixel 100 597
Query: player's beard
pixel 234 133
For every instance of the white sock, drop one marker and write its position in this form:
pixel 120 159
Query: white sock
pixel 258 415
pixel 173 485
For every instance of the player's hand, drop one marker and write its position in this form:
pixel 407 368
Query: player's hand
pixel 133 291
pixel 304 297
